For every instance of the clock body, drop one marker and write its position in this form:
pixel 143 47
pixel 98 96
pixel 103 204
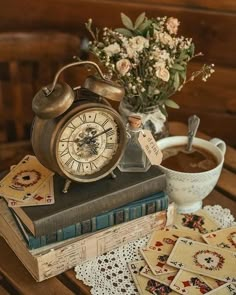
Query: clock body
pixel 83 144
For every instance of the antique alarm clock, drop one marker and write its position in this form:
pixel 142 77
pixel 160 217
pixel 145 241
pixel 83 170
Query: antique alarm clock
pixel 80 137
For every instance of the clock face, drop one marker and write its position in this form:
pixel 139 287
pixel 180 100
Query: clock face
pixel 88 142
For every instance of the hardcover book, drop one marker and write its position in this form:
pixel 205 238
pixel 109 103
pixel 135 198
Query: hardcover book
pixel 136 209
pixel 86 200
pixel 54 259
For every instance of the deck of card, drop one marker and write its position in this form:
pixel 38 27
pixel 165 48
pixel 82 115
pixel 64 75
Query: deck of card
pixel 28 183
pixel 194 257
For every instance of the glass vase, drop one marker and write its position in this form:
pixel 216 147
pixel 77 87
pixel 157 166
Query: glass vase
pixel 152 119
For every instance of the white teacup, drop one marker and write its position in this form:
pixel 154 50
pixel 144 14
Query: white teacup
pixel 188 190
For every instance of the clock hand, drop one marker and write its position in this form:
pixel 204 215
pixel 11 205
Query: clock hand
pixel 88 140
pixel 98 134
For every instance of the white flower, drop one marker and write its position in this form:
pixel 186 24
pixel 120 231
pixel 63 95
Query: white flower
pixel 172 25
pixel 112 49
pixel 123 66
pixel 164 38
pixel 138 43
pixel 163 74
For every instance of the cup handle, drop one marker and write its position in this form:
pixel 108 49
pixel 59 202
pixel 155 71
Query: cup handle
pixel 219 143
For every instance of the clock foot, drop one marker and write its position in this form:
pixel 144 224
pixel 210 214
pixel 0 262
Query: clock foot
pixel 66 186
pixel 113 175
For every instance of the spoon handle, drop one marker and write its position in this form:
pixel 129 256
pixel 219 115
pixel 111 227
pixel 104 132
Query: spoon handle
pixel 193 123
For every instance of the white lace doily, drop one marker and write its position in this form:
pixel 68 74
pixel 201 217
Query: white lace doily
pixel 108 274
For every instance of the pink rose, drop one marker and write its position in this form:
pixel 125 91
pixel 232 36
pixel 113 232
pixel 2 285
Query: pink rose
pixel 123 66
pixel 172 25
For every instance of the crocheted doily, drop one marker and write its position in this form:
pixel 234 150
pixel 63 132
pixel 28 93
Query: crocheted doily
pixel 108 274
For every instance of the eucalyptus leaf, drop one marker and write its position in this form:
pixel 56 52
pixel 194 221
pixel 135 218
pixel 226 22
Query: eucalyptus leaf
pixel 171 104
pixel 192 49
pixel 124 32
pixel 178 67
pixel 144 25
pixel 183 75
pixel 127 22
pixel 176 81
pixel 163 110
pixel 140 19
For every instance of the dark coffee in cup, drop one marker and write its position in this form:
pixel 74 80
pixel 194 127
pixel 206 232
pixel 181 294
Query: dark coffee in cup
pixel 198 160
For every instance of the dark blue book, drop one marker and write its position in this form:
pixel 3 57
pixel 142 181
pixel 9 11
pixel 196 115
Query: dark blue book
pixel 151 204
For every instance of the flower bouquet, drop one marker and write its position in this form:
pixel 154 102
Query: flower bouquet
pixel 148 59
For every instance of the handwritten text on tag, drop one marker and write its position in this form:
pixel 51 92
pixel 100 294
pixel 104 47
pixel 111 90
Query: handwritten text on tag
pixel 150 147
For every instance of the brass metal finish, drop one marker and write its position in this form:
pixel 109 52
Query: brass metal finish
pixel 104 88
pixel 55 107
pixel 53 100
pixel 45 135
pixel 50 106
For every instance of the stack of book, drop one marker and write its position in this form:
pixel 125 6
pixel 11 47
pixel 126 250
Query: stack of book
pixel 91 219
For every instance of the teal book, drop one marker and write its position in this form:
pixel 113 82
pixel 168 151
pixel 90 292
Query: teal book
pixel 148 205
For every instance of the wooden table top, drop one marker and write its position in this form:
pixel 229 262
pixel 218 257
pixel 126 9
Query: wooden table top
pixel 15 279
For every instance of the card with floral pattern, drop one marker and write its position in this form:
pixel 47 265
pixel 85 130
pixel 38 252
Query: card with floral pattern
pixel 199 221
pixel 189 283
pixel 203 259
pixel 223 238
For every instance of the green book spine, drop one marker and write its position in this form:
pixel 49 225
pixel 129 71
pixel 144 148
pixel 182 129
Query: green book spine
pixel 154 203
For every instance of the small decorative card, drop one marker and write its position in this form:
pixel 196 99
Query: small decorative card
pixel 165 279
pixel 198 221
pixel 144 285
pixel 186 282
pixel 157 261
pixel 226 289
pixel 164 240
pixel 203 259
pixel 24 181
pixel 224 238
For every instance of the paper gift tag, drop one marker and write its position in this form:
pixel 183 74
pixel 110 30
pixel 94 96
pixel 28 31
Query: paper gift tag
pixel 203 259
pixel 150 147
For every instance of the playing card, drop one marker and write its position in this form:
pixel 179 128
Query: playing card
pixel 224 238
pixel 199 221
pixel 226 289
pixel 165 279
pixel 44 196
pixel 164 240
pixel 186 282
pixel 203 259
pixel 146 286
pixel 157 261
pixel 23 182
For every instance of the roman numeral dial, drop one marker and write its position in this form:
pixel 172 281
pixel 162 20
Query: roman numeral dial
pixel 88 142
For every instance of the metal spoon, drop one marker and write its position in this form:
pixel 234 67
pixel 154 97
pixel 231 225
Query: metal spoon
pixel 193 123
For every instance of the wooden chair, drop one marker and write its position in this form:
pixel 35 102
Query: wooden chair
pixel 28 61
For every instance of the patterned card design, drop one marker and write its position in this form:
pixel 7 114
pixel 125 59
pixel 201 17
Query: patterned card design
pixel 157 261
pixel 165 279
pixel 226 289
pixel 23 182
pixel 146 286
pixel 164 240
pixel 189 283
pixel 224 238
pixel 203 259
pixel 199 221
